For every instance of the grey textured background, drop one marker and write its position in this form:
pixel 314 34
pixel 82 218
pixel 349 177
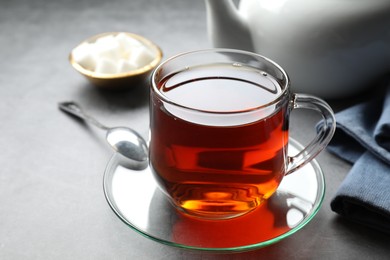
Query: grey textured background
pixel 51 199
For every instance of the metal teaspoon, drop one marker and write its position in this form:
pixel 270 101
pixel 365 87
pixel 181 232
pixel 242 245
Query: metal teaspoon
pixel 123 140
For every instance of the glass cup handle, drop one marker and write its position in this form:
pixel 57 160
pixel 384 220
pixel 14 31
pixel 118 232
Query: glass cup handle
pixel 324 133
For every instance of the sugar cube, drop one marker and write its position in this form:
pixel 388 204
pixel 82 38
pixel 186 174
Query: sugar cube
pixel 83 56
pixel 126 43
pixel 107 47
pixel 105 66
pixel 126 66
pixel 141 56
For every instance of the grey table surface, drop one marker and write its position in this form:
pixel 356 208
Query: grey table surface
pixel 52 204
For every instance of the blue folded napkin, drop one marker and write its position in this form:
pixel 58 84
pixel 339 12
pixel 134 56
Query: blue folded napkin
pixel 363 138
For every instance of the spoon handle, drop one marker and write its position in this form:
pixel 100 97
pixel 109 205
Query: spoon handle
pixel 75 110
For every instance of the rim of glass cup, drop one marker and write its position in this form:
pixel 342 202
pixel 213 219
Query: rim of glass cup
pixel 285 87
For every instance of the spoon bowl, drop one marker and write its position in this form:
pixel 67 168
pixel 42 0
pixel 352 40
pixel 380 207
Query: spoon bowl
pixel 130 144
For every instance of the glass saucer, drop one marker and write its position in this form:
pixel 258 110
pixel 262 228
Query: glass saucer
pixel 134 197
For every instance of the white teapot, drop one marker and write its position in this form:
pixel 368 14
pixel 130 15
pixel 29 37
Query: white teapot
pixel 329 48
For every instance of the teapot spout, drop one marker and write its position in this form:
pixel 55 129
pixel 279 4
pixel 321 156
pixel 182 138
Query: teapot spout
pixel 226 27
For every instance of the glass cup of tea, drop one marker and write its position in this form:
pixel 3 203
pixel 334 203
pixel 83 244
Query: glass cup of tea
pixel 219 131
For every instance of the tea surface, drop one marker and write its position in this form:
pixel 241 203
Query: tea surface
pixel 220 88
